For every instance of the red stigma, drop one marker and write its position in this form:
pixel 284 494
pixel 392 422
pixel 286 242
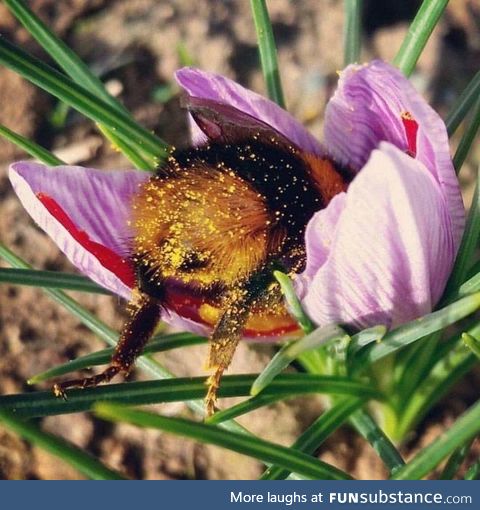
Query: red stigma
pixel 411 128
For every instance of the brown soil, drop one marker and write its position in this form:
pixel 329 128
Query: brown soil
pixel 133 44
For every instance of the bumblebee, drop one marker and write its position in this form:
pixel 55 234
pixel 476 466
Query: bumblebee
pixel 212 224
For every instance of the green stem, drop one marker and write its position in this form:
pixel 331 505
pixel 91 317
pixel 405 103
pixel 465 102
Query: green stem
pixel 352 31
pixel 418 34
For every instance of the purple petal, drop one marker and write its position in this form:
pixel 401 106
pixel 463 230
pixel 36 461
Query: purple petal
pixel 393 246
pixel 320 232
pixel 370 106
pixel 228 102
pixel 85 212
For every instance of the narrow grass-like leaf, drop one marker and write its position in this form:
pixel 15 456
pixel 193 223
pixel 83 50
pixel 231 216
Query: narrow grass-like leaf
pixel 67 59
pixel 177 390
pixel 268 51
pixel 463 105
pixel 470 286
pixel 385 449
pixel 317 433
pixel 418 34
pixel 472 343
pixel 290 352
pixel 455 460
pixel 127 150
pixel 253 447
pixel 364 338
pixel 30 147
pixel 159 343
pixel 473 472
pixel 77 70
pixel 247 406
pixel 463 430
pixel 294 305
pixel 81 99
pixel 50 279
pixel 352 31
pixel 467 138
pixel 417 329
pixel 69 453
pixel 443 376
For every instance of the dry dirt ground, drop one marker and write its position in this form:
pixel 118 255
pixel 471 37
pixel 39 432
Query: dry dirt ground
pixel 134 45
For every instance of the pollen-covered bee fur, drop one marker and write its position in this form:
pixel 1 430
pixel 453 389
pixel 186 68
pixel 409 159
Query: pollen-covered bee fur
pixel 217 220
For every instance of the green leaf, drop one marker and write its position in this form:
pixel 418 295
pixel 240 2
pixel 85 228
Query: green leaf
pixel 69 453
pixel 44 403
pixel 317 433
pixel 447 372
pixel 294 305
pixel 418 34
pixel 455 461
pixel 472 343
pixel 470 286
pixel 68 60
pixel 247 406
pixel 463 105
pixel 352 31
pixel 268 51
pixel 467 139
pixel 473 472
pixel 127 150
pixel 78 72
pixel 293 350
pixel 253 447
pixel 159 343
pixel 81 99
pixel 50 279
pixel 463 430
pixel 30 147
pixel 417 329
pixel 369 429
pixel 364 338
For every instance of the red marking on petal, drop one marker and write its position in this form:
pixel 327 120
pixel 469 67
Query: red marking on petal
pixel 107 257
pixel 411 128
pixel 188 306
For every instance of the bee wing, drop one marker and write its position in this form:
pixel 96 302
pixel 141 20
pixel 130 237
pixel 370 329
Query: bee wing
pixel 225 123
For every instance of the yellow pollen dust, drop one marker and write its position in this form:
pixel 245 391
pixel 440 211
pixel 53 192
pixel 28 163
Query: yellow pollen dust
pixel 206 226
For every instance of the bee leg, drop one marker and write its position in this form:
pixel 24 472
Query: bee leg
pixel 137 330
pixel 228 330
pixel 223 343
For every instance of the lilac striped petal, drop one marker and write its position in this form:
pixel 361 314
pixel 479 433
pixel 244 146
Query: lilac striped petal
pixel 392 248
pixel 231 104
pixel 370 106
pixel 85 212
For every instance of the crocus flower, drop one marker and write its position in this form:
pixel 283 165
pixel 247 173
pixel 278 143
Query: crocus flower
pixel 379 253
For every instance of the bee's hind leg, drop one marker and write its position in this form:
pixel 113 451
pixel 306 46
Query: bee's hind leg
pixel 137 330
pixel 222 346
pixel 228 331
